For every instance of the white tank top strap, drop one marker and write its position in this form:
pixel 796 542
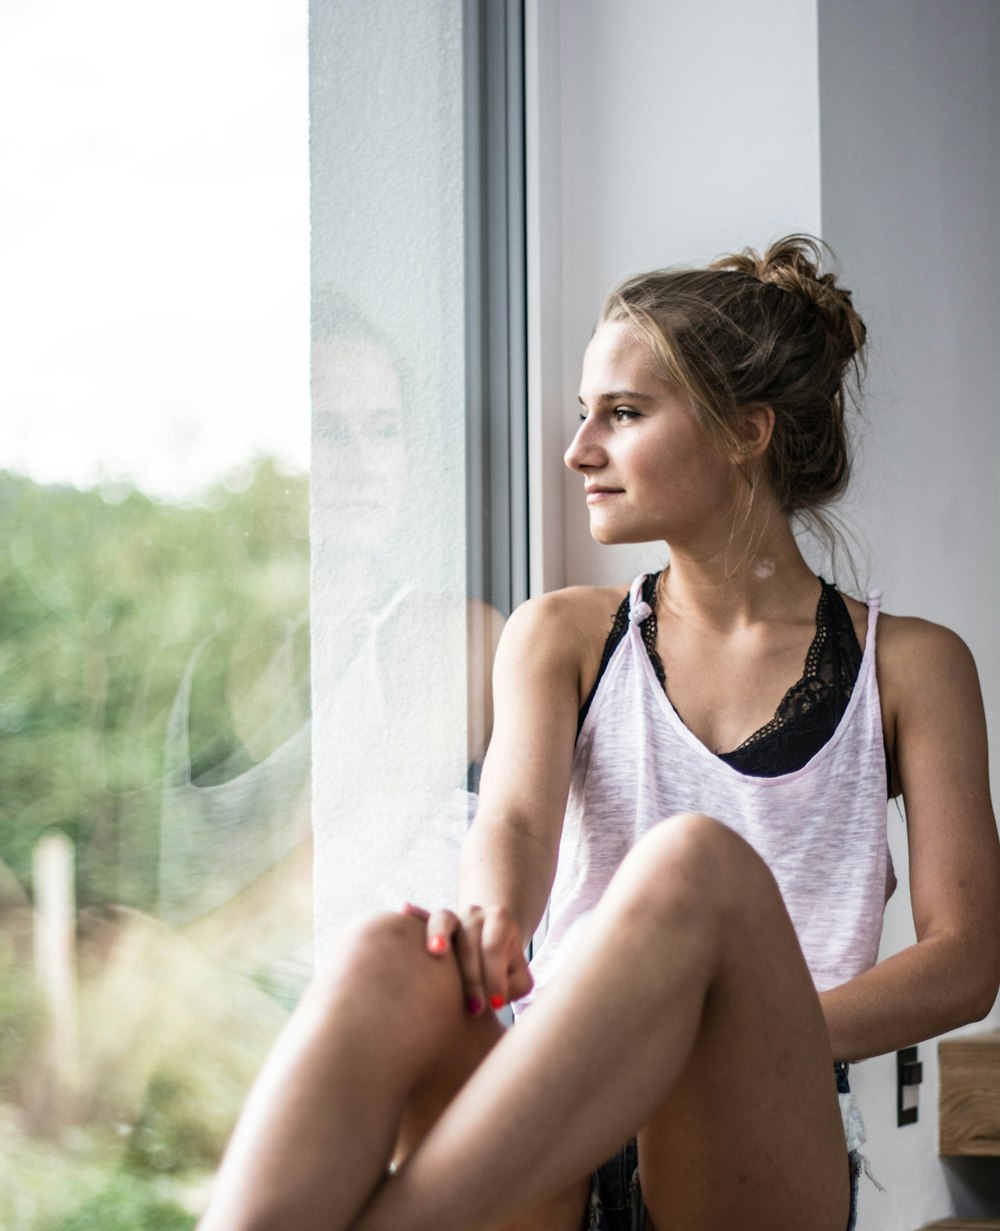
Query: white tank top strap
pixel 638 609
pixel 874 600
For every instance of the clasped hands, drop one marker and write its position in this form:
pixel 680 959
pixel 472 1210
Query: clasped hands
pixel 488 947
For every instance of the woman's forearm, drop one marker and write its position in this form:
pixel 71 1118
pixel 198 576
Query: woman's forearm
pixel 505 863
pixel 925 990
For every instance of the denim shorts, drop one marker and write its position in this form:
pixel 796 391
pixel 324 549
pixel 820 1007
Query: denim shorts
pixel 616 1202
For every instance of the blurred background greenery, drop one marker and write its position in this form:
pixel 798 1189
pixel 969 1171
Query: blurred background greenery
pixel 154 709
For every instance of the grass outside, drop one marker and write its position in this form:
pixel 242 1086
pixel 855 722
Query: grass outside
pixel 171 1031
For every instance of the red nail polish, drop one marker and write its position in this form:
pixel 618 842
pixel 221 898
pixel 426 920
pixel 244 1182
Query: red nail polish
pixel 474 1005
pixel 438 944
pixel 497 1002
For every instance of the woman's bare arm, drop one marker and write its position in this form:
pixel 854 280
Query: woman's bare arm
pixel 937 730
pixel 509 858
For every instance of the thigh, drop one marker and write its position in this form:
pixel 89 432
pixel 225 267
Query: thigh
pixel 464 1042
pixel 567 1211
pixel 467 1048
pixel 751 1134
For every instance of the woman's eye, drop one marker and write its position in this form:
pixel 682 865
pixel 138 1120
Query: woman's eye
pixel 624 413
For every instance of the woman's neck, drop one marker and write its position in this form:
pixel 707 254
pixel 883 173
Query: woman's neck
pixel 754 577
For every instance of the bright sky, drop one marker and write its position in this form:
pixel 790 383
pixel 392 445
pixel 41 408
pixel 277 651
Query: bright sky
pixel 154 239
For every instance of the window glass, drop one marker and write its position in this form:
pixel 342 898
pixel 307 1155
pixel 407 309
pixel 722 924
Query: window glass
pixel 155 915
pixel 173 674
pixel 401 655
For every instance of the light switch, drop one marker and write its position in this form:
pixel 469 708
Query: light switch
pixel 909 1075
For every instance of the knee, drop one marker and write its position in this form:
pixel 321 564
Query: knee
pixel 699 860
pixel 703 846
pixel 385 935
pixel 383 957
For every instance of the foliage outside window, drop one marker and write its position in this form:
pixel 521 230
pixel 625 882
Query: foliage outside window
pixel 155 883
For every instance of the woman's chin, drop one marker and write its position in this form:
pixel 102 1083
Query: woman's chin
pixel 610 536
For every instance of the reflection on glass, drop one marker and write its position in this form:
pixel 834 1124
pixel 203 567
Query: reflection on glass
pixel 402 666
pixel 358 425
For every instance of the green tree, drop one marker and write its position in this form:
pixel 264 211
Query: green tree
pixel 105 600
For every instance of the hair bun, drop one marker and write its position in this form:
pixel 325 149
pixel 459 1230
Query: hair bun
pixel 794 263
pixel 752 331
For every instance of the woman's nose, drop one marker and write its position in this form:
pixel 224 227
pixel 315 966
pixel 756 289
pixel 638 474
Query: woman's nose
pixel 584 450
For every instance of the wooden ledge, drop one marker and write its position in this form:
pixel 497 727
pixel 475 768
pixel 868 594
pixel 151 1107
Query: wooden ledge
pixel 970 1101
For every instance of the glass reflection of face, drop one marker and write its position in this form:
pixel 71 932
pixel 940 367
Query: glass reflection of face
pixel 359 450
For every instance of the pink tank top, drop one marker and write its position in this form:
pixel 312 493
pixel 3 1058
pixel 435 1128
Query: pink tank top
pixel 820 829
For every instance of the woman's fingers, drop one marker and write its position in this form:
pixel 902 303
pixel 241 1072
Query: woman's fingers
pixel 446 932
pixel 468 950
pixel 441 927
pixel 487 947
pixel 505 967
pixel 519 977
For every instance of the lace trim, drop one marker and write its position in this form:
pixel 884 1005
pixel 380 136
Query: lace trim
pixel 832 665
pixel 648 628
pixel 811 708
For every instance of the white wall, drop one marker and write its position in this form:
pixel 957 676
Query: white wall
pixel 910 147
pixel 661 108
pixel 681 129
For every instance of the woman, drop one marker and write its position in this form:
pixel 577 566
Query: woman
pixel 701 973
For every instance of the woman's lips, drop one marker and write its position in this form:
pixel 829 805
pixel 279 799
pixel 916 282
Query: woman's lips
pixel 597 495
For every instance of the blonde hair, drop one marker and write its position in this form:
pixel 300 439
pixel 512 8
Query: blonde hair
pixel 761 330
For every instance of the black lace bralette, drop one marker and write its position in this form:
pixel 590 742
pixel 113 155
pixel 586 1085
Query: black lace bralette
pixel 809 711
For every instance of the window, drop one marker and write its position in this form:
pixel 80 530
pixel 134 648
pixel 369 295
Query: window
pixel 161 658
pixel 418 390
pixel 154 755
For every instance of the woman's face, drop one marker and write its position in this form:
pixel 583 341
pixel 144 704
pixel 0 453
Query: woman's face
pixel 650 471
pixel 359 454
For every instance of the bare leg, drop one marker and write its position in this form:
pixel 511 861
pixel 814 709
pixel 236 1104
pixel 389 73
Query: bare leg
pixel 377 1048
pixel 688 986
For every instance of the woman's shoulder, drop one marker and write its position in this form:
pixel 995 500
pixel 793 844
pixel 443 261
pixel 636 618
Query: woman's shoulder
pixel 917 650
pixel 926 676
pixel 926 673
pixel 909 639
pixel 932 705
pixel 586 610
pixel 565 627
pixel 904 642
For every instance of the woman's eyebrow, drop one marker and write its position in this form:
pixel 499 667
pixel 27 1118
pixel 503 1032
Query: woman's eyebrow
pixel 620 395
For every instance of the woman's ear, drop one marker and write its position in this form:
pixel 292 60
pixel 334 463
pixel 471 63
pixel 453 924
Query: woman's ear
pixel 755 434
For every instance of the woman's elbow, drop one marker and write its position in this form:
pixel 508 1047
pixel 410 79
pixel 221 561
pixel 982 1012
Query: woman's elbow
pixel 984 995
pixel 979 987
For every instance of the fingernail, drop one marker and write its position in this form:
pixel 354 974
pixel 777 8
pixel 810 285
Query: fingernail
pixel 497 1002
pixel 438 944
pixel 474 1005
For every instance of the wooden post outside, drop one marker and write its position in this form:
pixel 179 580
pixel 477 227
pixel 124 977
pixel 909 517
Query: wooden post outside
pixel 53 873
